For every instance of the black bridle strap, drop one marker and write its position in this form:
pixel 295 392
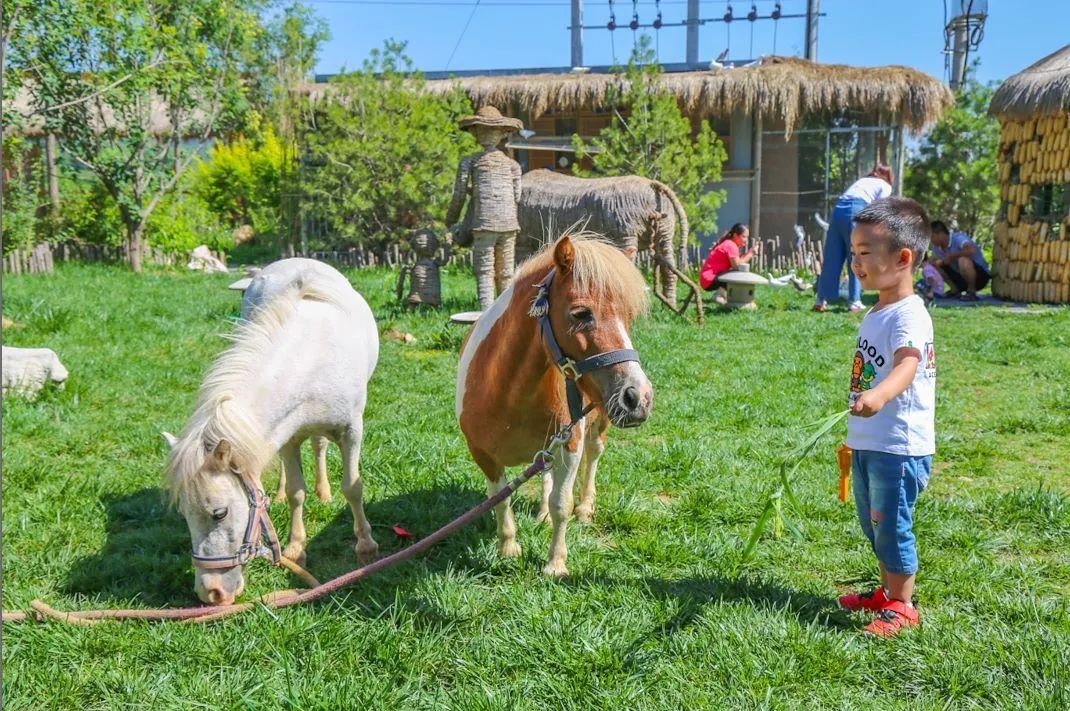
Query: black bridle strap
pixel 571 369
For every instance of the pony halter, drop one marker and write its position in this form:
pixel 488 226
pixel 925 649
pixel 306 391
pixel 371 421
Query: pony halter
pixel 573 370
pixel 257 532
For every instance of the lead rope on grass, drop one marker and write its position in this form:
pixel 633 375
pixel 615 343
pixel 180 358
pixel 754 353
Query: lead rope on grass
pixel 285 598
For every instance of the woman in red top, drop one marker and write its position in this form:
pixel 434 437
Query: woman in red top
pixel 725 257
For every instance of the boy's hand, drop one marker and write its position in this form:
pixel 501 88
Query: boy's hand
pixel 867 404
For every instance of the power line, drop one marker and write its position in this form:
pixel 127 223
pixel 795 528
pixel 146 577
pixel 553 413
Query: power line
pixel 466 24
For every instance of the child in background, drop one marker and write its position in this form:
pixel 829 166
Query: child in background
pixel 892 400
pixel 725 257
pixel 931 284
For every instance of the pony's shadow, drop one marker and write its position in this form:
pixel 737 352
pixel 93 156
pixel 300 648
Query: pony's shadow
pixel 145 555
pixel 420 512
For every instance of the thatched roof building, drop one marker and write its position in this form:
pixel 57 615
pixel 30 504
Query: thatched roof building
pixel 1042 89
pixel 783 89
pixel 1031 254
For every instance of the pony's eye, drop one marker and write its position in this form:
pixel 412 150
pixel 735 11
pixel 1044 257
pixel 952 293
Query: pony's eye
pixel 219 514
pixel 581 314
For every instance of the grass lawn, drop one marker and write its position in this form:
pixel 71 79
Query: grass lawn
pixel 656 613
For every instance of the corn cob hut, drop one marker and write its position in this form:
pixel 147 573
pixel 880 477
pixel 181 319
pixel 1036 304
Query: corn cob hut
pixel 1031 254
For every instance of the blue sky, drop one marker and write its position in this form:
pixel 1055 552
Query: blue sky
pixel 532 33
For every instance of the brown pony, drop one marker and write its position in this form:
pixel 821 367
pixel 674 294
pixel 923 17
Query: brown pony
pixel 511 382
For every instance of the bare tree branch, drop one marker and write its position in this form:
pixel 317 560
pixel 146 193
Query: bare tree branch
pixel 109 87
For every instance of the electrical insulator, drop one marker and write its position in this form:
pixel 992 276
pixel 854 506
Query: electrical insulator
pixel 634 24
pixel 728 14
pixel 776 12
pixel 753 14
pixel 657 22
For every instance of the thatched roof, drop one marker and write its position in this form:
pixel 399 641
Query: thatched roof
pixel 1040 90
pixel 784 88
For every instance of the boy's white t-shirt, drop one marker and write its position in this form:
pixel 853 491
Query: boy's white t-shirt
pixel 906 425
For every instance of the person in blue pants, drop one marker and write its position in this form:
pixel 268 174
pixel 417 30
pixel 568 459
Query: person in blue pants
pixel 876 185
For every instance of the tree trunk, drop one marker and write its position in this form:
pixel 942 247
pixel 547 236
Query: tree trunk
pixel 52 173
pixel 134 245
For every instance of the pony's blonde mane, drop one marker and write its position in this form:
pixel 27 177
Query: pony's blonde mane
pixel 217 415
pixel 600 269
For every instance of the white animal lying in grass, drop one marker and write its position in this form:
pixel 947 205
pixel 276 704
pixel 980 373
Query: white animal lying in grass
pixel 26 370
pixel 202 259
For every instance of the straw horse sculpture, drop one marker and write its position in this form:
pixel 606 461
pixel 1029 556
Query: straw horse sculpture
pixel 632 212
pixel 576 300
pixel 299 368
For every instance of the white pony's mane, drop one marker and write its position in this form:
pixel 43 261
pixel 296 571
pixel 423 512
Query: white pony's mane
pixel 217 415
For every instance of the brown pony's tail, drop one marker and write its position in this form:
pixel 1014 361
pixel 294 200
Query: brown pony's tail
pixel 681 218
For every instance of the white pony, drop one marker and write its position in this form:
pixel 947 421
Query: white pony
pixel 299 368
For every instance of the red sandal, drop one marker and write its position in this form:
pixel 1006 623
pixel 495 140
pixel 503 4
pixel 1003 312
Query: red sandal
pixel 874 601
pixel 894 618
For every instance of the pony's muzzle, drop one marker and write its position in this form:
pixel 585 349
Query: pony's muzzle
pixel 636 407
pixel 633 404
pixel 219 588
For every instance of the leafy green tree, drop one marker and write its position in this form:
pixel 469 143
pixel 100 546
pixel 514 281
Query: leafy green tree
pixel 650 136
pixel 101 73
pixel 954 172
pixel 382 151
pixel 240 182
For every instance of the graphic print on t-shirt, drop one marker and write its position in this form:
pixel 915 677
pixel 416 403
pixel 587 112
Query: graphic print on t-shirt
pixel 864 368
pixel 930 360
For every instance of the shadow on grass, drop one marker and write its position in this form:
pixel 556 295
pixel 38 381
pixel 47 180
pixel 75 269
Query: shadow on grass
pixel 146 553
pixel 145 556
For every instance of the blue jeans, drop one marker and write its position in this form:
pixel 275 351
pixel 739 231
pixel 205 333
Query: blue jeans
pixel 886 487
pixel 838 251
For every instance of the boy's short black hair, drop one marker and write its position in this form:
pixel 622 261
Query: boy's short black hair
pixel 905 221
pixel 940 226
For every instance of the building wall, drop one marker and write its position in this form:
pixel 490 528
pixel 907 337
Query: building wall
pixel 1031 253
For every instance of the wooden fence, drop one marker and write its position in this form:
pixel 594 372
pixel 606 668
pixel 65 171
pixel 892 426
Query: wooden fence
pixel 774 257
pixel 42 258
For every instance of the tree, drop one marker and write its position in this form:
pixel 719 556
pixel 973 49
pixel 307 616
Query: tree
pixel 650 136
pixel 382 150
pixel 954 172
pixel 102 72
pixel 285 54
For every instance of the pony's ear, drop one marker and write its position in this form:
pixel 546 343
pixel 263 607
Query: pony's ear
pixel 170 439
pixel 221 454
pixel 564 254
pixel 630 252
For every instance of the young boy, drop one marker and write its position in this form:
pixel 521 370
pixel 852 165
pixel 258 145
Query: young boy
pixel 891 429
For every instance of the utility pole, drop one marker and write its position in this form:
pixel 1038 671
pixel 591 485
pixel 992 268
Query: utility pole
pixel 577 33
pixel 960 48
pixel 692 31
pixel 813 10
pixel 963 35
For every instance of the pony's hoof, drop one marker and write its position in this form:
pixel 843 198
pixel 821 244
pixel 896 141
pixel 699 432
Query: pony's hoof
pixel 280 497
pixel 367 552
pixel 584 514
pixel 509 549
pixel 295 553
pixel 323 494
pixel 555 569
